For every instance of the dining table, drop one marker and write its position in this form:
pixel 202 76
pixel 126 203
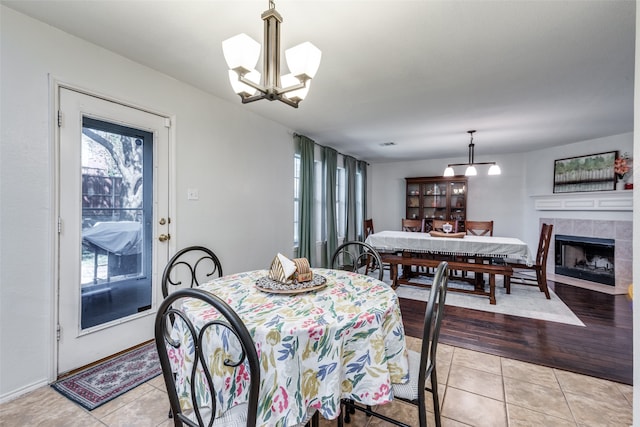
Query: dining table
pixel 461 246
pixel 342 339
pixel 480 255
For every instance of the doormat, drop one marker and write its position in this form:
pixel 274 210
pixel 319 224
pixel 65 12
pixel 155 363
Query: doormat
pixel 99 384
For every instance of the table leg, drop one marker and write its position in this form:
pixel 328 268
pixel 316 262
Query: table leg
pixel 393 272
pixel 492 289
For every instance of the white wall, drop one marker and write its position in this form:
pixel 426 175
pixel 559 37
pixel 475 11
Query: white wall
pixel 241 164
pixel 495 198
pixel 245 211
pixel 505 198
pixel 538 168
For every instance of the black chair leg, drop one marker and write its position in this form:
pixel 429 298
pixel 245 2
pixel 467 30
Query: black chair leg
pixel 315 420
pixel 436 398
pixel 348 410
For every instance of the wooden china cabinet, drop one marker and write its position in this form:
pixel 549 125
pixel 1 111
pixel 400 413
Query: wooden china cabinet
pixel 434 197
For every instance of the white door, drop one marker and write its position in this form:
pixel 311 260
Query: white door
pixel 113 194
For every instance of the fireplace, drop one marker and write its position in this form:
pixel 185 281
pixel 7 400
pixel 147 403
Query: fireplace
pixel 587 258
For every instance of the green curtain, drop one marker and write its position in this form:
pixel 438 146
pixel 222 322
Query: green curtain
pixel 306 230
pixel 330 170
pixel 362 167
pixel 352 226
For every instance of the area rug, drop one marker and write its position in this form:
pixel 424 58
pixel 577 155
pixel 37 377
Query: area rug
pixel 524 301
pixel 99 384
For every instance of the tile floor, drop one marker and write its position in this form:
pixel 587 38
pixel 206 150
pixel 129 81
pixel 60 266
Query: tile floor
pixel 476 389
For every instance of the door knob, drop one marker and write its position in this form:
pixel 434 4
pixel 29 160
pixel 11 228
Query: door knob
pixel 164 237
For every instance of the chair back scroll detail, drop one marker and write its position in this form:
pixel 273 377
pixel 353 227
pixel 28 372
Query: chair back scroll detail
pixel 358 257
pixel 170 311
pixel 190 267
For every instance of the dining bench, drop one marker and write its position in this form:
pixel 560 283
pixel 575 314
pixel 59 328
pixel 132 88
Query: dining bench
pixel 411 259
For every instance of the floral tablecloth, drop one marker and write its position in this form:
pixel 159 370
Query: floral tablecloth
pixel 343 341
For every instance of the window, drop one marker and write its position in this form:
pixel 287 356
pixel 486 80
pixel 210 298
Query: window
pixel 359 205
pixel 318 205
pixel 341 202
pixel 296 199
pixel 320 220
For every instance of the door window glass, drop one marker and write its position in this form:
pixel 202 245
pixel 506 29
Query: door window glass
pixel 116 221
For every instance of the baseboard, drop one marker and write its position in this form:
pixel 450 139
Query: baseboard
pixel 22 391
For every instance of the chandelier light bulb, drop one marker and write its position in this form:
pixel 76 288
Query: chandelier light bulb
pixel 303 60
pixel 494 169
pixel 289 80
pixel 471 171
pixel 242 53
pixel 241 88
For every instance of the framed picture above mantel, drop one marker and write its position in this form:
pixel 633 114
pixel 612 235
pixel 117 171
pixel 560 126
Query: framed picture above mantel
pixel 594 172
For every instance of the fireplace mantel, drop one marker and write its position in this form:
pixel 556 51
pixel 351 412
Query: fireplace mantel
pixel 585 201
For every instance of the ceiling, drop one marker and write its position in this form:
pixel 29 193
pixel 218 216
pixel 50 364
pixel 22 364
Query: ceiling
pixel 525 74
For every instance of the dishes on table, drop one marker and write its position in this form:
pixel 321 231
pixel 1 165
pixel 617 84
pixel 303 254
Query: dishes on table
pixel 288 276
pixel 267 284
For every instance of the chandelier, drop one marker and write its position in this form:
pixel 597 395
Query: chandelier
pixel 242 52
pixel 471 165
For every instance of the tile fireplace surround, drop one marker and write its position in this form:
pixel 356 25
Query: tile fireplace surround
pixel 620 231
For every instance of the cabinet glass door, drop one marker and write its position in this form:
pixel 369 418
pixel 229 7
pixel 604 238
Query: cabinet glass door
pixel 432 198
pixel 458 203
pixel 413 201
pixel 435 200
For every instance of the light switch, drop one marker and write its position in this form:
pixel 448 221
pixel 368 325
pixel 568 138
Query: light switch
pixel 192 194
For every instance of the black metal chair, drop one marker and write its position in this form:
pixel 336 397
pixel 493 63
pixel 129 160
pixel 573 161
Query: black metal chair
pixel 421 365
pixel 358 257
pixel 171 311
pixel 189 267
